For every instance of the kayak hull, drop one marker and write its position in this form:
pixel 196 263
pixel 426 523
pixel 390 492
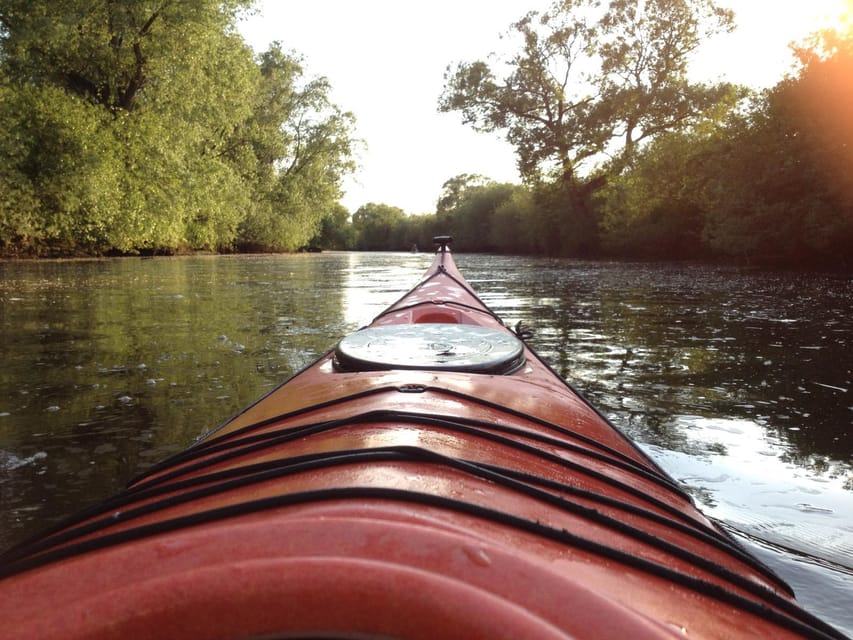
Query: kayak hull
pixel 290 574
pixel 429 477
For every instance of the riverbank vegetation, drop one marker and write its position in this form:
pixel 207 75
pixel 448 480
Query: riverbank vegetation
pixel 153 127
pixel 631 160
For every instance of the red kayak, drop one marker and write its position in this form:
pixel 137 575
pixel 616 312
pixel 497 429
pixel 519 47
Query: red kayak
pixel 429 477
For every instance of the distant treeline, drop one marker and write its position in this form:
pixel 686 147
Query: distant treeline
pixel 767 181
pixel 150 127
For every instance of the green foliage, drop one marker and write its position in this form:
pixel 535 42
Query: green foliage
pixel 142 126
pixel 486 216
pixel 761 178
pixel 767 183
pixel 336 231
pixel 585 77
pixel 113 53
pixel 418 231
pixel 119 133
pixel 300 146
pixel 652 210
pixel 376 227
pixel 780 188
pixel 57 169
pixel 512 228
pixel 453 190
pixel 472 221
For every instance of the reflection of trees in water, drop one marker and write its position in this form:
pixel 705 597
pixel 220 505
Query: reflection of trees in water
pixel 137 358
pixel 821 466
pixel 701 495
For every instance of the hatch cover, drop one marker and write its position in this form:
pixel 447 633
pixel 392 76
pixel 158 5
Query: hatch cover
pixel 434 346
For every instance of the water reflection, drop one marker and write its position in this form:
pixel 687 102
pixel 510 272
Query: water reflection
pixel 662 339
pixel 373 282
pixel 110 366
pixel 743 475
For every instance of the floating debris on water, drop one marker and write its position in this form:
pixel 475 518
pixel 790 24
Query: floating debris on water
pixel 810 508
pixel 830 386
pixel 9 461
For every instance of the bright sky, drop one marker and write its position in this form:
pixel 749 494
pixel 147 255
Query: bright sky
pixel 385 60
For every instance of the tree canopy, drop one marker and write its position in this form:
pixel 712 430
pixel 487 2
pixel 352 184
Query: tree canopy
pixel 589 82
pixel 589 76
pixel 623 155
pixel 136 125
pixel 768 183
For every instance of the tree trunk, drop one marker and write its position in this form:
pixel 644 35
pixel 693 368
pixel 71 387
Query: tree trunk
pixel 579 232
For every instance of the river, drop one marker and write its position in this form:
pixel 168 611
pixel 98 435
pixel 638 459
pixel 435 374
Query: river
pixel 737 381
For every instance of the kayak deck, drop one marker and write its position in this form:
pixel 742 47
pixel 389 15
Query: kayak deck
pixel 381 493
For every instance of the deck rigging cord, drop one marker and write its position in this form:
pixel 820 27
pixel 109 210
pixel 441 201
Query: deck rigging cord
pixel 169 482
pixel 761 600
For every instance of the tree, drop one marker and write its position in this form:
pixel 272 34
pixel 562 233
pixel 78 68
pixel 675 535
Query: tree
pixel 336 230
pixel 113 104
pixel 820 101
pixel 108 52
pixel 779 186
pixel 119 133
pixel 296 148
pixel 473 221
pixel 53 165
pixel 653 209
pixel 453 190
pixel 483 215
pixel 589 82
pixel 412 232
pixel 376 225
pixel 512 228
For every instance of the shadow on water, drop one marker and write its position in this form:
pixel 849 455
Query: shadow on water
pixel 737 382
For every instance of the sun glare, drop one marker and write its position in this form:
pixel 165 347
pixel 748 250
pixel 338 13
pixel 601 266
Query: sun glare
pixel 798 19
pixel 824 14
pixel 756 53
pixel 846 16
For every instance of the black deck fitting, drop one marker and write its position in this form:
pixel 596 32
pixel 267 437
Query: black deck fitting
pixel 442 242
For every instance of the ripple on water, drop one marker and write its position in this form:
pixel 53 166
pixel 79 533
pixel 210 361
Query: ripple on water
pixel 809 512
pixel 9 461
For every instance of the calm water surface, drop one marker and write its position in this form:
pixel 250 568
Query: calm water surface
pixel 738 382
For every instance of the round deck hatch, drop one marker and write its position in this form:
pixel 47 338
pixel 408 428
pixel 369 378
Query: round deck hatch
pixel 435 346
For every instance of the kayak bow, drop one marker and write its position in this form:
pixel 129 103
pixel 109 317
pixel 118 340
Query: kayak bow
pixel 430 476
